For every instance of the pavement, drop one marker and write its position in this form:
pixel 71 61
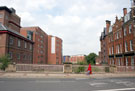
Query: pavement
pixel 62 75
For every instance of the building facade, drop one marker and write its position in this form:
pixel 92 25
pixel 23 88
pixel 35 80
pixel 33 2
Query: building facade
pixel 40 39
pixel 54 50
pixel 12 43
pixel 74 58
pixel 121 40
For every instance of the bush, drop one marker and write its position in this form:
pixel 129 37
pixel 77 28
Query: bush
pixel 94 69
pixel 82 63
pixel 67 63
pixel 4 62
pixel 80 69
pixel 107 69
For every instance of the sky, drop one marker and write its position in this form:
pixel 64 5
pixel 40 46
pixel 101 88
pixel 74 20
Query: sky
pixel 78 23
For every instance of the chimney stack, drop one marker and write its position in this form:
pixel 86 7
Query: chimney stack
pixel 108 23
pixel 124 11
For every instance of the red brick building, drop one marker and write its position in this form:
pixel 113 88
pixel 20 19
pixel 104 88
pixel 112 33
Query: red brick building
pixel 12 43
pixel 66 58
pixel 121 40
pixel 104 43
pixel 98 59
pixel 74 58
pixel 54 50
pixel 77 58
pixel 40 39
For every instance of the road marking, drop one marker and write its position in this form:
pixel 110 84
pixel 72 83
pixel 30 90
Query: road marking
pixel 49 81
pixel 45 81
pixel 123 89
pixel 81 78
pixel 97 84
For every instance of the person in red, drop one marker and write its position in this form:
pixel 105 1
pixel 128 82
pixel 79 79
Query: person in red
pixel 89 70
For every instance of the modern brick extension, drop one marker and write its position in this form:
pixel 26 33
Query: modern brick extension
pixel 27 44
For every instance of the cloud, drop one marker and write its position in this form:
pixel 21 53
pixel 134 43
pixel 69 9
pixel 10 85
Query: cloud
pixel 78 22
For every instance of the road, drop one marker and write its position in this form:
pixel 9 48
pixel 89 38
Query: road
pixel 67 84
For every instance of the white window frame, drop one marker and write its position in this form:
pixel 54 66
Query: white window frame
pixel 19 43
pixel 118 61
pixel 126 61
pixel 125 31
pixel 131 45
pixel 126 47
pixel 130 29
pixel 118 48
pixel 30 46
pixel 132 61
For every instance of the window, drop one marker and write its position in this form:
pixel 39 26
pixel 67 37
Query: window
pixel 10 55
pixel 113 61
pixel 126 47
pixel 18 56
pixel 25 45
pixel 125 32
pixel 24 57
pixel 127 17
pixel 118 61
pixel 19 43
pixel 118 48
pixel 132 61
pixel 117 35
pixel 11 41
pixel 30 35
pixel 126 61
pixel 131 45
pixel 112 50
pixel 41 51
pixel 1 15
pixel 130 29
pixel 110 29
pixel 30 46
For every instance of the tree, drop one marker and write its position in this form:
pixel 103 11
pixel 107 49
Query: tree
pixel 91 58
pixel 4 62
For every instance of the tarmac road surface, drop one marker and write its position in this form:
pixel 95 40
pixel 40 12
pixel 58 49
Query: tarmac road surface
pixel 67 84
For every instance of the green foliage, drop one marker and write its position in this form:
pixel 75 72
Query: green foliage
pixel 80 69
pixel 82 63
pixel 91 58
pixel 95 69
pixel 67 63
pixel 4 62
pixel 107 69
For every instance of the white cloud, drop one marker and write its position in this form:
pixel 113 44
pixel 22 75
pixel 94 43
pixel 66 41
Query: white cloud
pixel 78 22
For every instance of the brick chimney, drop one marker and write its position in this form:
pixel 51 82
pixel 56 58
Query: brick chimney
pixel 108 23
pixel 124 11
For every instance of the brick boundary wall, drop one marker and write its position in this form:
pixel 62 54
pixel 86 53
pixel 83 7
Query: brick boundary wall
pixel 39 67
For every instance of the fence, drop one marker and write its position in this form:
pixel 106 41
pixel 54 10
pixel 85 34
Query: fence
pixel 125 68
pixel 37 67
pixel 59 68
